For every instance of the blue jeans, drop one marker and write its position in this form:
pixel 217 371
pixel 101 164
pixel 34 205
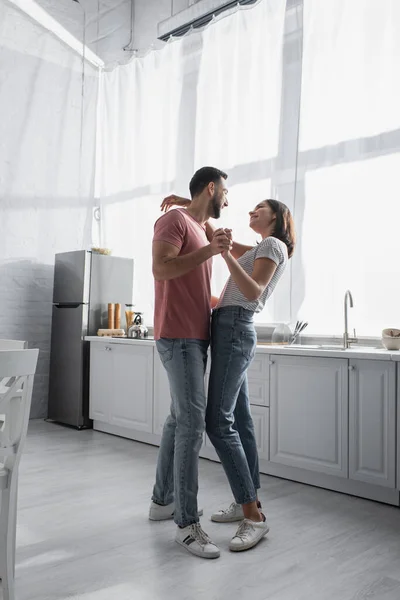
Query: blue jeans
pixel 229 423
pixel 185 361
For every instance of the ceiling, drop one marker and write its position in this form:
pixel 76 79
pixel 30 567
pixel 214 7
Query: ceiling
pixel 108 24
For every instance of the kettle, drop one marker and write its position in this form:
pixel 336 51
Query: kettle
pixel 138 329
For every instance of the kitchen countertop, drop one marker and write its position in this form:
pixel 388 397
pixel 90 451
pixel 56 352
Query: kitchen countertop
pixel 362 352
pixel 119 340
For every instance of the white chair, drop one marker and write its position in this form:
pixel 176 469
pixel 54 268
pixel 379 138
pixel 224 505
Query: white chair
pixel 12 345
pixel 17 369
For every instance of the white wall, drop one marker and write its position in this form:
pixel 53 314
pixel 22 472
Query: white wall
pixel 46 194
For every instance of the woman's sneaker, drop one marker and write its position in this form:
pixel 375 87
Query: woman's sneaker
pixel 196 541
pixel 229 515
pixel 163 513
pixel 248 535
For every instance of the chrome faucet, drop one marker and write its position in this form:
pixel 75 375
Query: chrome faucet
pixel 347 340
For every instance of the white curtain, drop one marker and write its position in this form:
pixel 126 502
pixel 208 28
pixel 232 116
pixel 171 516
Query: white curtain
pixel 181 108
pixel 238 115
pixel 141 102
pixel 47 165
pixel 351 76
pixel 239 90
pixel 46 143
pixel 348 186
pixel 139 125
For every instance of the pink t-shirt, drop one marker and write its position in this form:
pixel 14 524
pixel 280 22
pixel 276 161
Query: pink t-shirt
pixel 182 305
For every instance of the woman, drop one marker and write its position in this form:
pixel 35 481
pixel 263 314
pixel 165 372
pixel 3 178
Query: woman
pixel 254 273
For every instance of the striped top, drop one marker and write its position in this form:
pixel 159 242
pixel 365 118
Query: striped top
pixel 271 248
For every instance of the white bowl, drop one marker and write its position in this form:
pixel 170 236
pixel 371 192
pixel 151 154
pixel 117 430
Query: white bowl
pixel 388 332
pixel 391 338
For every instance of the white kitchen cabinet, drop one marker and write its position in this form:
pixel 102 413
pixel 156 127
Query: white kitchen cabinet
pixel 324 420
pixel 258 379
pixel 132 404
pixel 162 401
pixel 398 426
pixel 208 450
pixel 162 396
pixel 309 413
pixel 372 422
pixel 101 381
pixel 260 416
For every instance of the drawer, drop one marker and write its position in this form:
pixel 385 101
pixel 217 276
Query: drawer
pixel 258 378
pixel 258 392
pixel 259 368
pixel 260 416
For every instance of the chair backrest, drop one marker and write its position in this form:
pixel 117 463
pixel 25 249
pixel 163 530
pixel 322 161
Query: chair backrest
pixel 17 370
pixel 12 345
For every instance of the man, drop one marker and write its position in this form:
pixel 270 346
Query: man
pixel 182 261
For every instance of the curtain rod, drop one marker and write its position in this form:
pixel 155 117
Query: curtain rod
pixel 209 16
pixel 204 20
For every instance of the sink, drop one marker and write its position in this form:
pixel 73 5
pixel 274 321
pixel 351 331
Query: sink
pixel 316 347
pixel 306 346
pixel 332 347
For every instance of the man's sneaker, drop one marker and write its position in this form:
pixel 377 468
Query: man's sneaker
pixel 196 541
pixel 163 513
pixel 229 515
pixel 248 535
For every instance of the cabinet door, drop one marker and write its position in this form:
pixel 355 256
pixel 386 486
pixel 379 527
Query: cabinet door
pixel 132 405
pixel 398 427
pixel 372 422
pixel 260 416
pixel 162 396
pixel 208 450
pixel 258 378
pixel 101 381
pixel 309 413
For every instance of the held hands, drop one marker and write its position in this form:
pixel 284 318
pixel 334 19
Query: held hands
pixel 228 233
pixel 221 242
pixel 173 200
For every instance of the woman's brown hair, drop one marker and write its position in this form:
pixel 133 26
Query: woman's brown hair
pixel 284 225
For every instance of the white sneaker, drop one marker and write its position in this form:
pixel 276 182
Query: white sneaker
pixel 163 513
pixel 196 541
pixel 229 515
pixel 248 535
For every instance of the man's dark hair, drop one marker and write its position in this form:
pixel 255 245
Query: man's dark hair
pixel 203 177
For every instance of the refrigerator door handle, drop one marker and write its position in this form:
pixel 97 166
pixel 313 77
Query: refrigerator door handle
pixel 77 305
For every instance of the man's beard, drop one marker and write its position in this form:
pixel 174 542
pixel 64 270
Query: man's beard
pixel 216 208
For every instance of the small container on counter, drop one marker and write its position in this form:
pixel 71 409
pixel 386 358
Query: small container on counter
pixel 111 315
pixel 117 317
pixel 129 315
pixel 138 329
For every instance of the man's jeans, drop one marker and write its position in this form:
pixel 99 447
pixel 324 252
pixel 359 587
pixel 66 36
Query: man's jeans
pixel 185 361
pixel 229 422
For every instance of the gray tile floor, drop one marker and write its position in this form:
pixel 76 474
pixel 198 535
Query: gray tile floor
pixel 83 533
